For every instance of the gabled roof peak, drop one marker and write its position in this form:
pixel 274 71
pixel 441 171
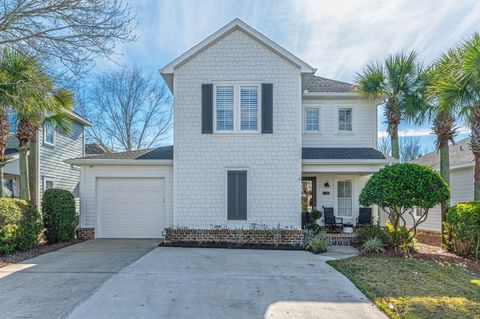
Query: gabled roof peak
pixel 169 69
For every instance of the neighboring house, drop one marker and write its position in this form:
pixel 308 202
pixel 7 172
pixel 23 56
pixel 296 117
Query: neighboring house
pixel 94 148
pixel 251 124
pixel 461 179
pixel 52 149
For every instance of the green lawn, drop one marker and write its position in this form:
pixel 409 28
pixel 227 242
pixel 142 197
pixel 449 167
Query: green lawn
pixel 414 288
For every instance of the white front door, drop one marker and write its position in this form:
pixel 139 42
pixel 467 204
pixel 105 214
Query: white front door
pixel 130 207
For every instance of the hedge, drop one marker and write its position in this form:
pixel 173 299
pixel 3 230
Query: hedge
pixel 20 225
pixel 463 228
pixel 58 208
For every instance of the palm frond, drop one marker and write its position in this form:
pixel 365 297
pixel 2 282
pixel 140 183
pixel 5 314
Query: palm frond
pixel 370 83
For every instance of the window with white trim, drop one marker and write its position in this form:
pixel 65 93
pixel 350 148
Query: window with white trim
pixel 224 107
pixel 237 108
pixel 345 198
pixel 345 119
pixel 12 120
pixel 249 108
pixel 49 134
pixel 312 119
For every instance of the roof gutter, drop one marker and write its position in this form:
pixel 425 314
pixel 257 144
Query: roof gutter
pixel 89 161
pixel 348 161
pixel 79 119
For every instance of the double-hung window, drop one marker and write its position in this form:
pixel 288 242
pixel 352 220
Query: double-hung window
pixel 12 120
pixel 344 197
pixel 237 108
pixel 345 119
pixel 249 108
pixel 312 119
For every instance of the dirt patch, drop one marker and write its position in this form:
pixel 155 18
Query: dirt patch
pixel 41 249
pixel 430 252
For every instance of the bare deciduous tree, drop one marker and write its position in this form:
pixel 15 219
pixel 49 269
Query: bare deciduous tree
pixel 70 32
pixel 410 149
pixel 129 109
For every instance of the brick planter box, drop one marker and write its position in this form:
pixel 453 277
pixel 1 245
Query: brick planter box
pixel 284 238
pixel 85 233
pixel 429 237
pixel 248 238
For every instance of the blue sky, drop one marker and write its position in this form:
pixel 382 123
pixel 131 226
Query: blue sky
pixel 337 37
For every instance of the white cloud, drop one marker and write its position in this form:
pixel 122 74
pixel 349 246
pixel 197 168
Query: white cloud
pixel 421 132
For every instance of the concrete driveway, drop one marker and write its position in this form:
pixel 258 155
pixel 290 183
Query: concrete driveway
pixel 198 283
pixel 51 285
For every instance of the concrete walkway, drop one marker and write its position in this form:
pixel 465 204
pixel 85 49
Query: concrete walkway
pixel 51 285
pixel 200 283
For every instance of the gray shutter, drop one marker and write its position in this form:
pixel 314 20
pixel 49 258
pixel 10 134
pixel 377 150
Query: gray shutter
pixel 207 108
pixel 267 108
pixel 237 195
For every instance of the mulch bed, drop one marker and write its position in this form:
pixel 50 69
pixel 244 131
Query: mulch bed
pixel 429 252
pixel 41 249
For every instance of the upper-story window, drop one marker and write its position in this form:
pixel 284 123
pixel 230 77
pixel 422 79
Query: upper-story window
pixel 49 134
pixel 237 108
pixel 312 119
pixel 345 119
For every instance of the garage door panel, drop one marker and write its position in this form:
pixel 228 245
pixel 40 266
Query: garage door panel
pixel 130 207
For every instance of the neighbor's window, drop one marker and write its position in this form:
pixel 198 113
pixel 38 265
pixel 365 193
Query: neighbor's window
pixel 48 183
pixel 237 195
pixel 345 119
pixel 49 134
pixel 249 108
pixel 344 198
pixel 312 119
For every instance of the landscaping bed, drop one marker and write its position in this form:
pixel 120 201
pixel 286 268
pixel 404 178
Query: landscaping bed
pixel 410 287
pixel 38 250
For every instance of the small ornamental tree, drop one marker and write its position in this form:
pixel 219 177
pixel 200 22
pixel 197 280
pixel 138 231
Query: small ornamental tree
pixel 402 189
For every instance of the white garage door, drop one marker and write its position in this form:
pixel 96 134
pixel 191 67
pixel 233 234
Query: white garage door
pixel 130 207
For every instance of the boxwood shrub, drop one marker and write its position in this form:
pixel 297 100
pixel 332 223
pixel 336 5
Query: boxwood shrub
pixel 20 225
pixel 58 208
pixel 463 228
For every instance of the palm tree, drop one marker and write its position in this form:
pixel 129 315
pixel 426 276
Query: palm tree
pixel 29 92
pixel 461 90
pixel 4 130
pixel 441 114
pixel 400 83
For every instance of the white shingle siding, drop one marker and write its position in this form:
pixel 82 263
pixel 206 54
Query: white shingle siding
pixel 88 204
pixel 273 161
pixel 364 133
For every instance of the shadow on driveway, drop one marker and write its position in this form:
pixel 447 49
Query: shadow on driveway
pixel 51 285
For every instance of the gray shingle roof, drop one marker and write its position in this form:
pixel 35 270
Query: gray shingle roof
pixel 159 153
pixel 94 148
pixel 460 152
pixel 333 153
pixel 318 84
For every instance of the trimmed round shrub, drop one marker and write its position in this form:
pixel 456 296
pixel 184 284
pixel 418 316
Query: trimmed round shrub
pixel 58 208
pixel 400 190
pixel 463 228
pixel 20 225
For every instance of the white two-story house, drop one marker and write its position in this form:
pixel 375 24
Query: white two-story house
pixel 255 131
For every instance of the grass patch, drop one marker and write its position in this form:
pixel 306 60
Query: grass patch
pixel 414 288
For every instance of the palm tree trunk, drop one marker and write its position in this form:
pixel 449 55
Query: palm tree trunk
pixel 393 120
pixel 33 170
pixel 445 173
pixel 1 179
pixel 24 185
pixel 475 144
pixel 394 142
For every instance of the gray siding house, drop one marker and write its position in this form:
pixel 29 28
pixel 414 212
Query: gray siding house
pixel 47 156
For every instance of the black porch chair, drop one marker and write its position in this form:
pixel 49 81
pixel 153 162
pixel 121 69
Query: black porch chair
pixel 364 217
pixel 331 221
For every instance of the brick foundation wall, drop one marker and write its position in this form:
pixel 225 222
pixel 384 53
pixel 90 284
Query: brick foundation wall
pixel 429 237
pixel 247 237
pixel 235 237
pixel 86 233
